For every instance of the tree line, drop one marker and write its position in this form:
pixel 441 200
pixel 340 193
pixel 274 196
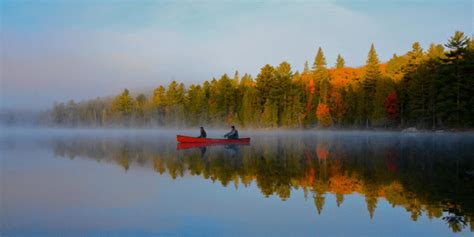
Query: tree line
pixel 429 89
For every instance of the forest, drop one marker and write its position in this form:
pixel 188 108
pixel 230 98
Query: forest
pixel 425 88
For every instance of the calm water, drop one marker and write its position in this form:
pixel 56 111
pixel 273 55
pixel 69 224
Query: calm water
pixel 140 183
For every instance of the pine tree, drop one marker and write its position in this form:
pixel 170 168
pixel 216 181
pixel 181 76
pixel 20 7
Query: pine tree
pixel 306 67
pixel 371 75
pixel 122 106
pixel 321 76
pixel 270 114
pixel 265 85
pixel 158 106
pixel 175 104
pixel 319 60
pixel 247 112
pixel 415 57
pixel 281 92
pixel 340 63
pixel 140 108
pixel 382 89
pixel 395 67
pixel 459 46
pixel 435 51
pixel 235 80
pixel 225 99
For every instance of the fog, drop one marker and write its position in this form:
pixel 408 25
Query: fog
pixel 19 131
pixel 94 181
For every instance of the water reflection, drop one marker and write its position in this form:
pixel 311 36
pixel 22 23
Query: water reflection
pixel 424 175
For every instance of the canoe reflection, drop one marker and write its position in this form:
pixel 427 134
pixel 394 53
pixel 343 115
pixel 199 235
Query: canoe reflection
pixel 184 146
pixel 232 149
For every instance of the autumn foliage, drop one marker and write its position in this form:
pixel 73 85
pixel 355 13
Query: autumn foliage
pixel 430 89
pixel 323 114
pixel 391 106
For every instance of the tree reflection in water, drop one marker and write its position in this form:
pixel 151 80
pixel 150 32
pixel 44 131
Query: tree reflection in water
pixel 425 174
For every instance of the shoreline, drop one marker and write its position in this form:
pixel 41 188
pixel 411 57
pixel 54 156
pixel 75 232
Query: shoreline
pixel 409 130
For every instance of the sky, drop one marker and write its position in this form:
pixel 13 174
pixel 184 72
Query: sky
pixel 53 51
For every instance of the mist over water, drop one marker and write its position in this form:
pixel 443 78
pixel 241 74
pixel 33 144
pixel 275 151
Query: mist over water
pixel 75 182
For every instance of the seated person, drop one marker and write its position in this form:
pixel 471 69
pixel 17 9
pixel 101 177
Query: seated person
pixel 203 133
pixel 233 134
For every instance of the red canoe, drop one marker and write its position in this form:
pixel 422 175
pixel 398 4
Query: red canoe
pixel 186 139
pixel 184 146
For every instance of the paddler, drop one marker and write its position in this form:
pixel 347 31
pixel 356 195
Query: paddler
pixel 203 133
pixel 233 134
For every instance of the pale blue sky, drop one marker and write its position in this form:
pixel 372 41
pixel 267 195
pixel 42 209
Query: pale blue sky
pixel 59 50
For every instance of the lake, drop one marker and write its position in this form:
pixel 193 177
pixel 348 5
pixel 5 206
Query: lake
pixel 59 182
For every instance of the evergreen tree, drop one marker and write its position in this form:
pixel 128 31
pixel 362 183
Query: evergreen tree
pixel 306 67
pixel 158 106
pixel 349 98
pixel 414 57
pixel 395 67
pixel 371 75
pixel 321 76
pixel 140 109
pixel 265 85
pixel 122 107
pixel 174 104
pixel 235 80
pixel 282 93
pixel 319 60
pixel 248 112
pixel 383 88
pixel 340 63
pixel 458 46
pixel 225 99
pixel 435 51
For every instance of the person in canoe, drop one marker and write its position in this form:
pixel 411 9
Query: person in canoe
pixel 203 133
pixel 233 134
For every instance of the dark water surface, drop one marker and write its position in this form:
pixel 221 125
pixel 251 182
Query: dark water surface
pixel 138 183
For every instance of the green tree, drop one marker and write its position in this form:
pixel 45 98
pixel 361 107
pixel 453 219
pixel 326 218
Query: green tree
pixel 122 107
pixel 306 67
pixel 340 63
pixel 265 85
pixel 195 103
pixel 140 109
pixel 235 80
pixel 175 104
pixel 158 106
pixel 458 46
pixel 321 76
pixel 435 51
pixel 383 88
pixel 281 93
pixel 371 75
pixel 415 58
pixel 396 66
pixel 226 99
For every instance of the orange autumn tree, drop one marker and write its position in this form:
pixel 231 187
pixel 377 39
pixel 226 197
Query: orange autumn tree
pixel 323 114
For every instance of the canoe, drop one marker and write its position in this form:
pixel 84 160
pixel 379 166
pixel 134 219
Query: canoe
pixel 184 146
pixel 186 139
